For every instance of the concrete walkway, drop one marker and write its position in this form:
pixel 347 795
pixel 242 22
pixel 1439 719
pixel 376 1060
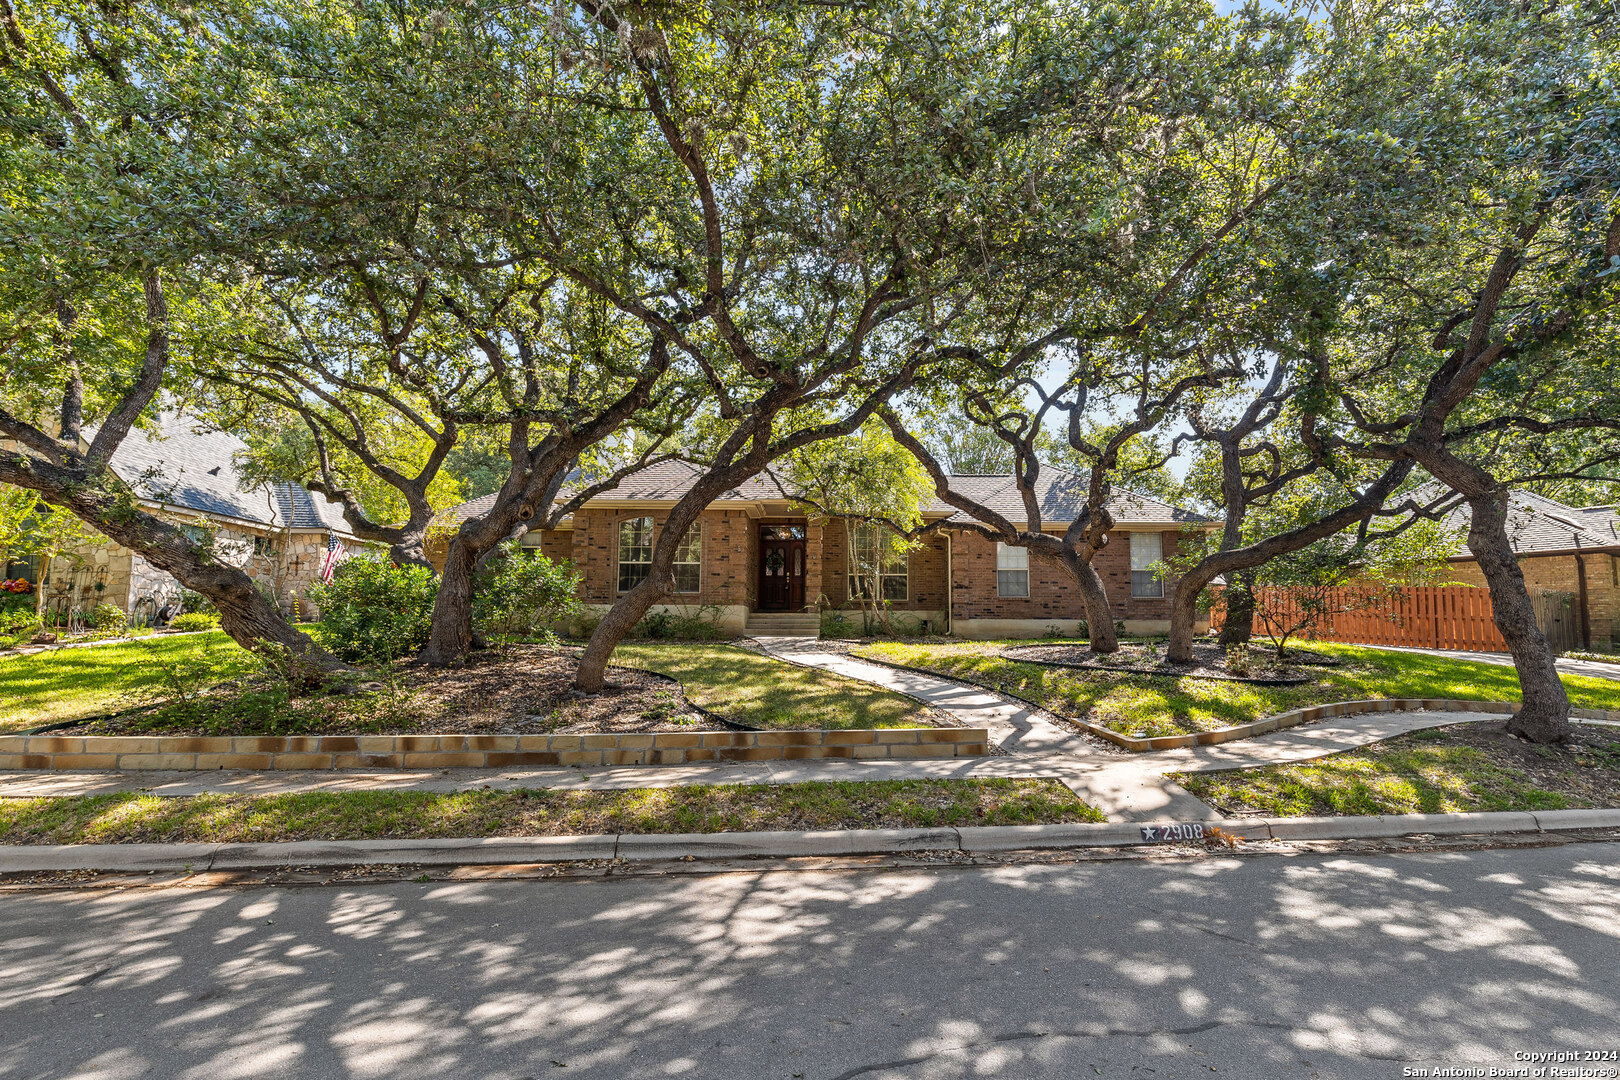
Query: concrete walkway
pixel 1126 787
pixel 1591 668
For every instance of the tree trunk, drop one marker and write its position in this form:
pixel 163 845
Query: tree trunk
pixel 1184 615
pixel 1099 616
pixel 1238 629
pixel 615 625
pixel 451 635
pixel 1544 716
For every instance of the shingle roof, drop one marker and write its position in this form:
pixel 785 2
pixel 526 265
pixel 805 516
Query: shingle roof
pixel 1537 524
pixel 1061 494
pixel 182 464
pixel 1603 520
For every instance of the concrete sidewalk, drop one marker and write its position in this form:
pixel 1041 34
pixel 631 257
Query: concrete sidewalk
pixel 1591 668
pixel 1125 787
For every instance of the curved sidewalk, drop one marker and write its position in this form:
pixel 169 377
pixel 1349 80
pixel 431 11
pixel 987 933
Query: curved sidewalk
pixel 1126 787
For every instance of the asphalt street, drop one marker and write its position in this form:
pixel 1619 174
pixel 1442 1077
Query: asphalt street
pixel 1257 967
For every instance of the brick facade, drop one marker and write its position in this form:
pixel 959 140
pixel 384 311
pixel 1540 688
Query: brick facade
pixel 1563 573
pixel 730 569
pixel 1053 594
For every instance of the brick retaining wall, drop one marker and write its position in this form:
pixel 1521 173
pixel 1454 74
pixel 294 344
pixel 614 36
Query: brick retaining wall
pixel 478 751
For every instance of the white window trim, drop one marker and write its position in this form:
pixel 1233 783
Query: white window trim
pixel 618 551
pixel 1157 584
pixel 1012 559
pixel 697 527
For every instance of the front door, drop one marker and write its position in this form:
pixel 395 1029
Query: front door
pixel 781 567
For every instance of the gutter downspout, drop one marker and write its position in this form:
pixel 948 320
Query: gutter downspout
pixel 950 587
pixel 1580 584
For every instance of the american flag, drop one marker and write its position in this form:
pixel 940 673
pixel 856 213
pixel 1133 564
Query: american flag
pixel 335 554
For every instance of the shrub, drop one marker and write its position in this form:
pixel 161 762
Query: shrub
pixel 521 593
pixel 374 610
pixel 196 602
pixel 195 620
pixel 1237 660
pixel 699 622
pixel 17 612
pixel 524 595
pixel 110 620
pixel 835 624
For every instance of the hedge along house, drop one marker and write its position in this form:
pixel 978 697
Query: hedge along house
pixel 277 534
pixel 764 564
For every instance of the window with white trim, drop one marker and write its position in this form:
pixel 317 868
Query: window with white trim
pixel 1012 570
pixel 689 560
pixel 635 551
pixel 874 552
pixel 1147 548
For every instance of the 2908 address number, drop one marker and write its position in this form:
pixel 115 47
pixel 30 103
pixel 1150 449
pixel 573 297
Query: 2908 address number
pixel 1159 834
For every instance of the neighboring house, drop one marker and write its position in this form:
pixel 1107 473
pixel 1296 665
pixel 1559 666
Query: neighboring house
pixel 1568 554
pixel 278 534
pixel 752 554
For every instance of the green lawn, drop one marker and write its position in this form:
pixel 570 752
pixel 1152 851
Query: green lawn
pixel 354 815
pixel 1143 705
pixel 737 684
pixel 66 684
pixel 763 692
pixel 1443 770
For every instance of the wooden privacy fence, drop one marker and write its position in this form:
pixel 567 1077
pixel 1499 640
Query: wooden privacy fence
pixel 1427 617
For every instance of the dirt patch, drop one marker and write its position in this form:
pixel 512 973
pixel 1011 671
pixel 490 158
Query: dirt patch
pixel 1455 769
pixel 1209 662
pixel 518 689
pixel 1587 768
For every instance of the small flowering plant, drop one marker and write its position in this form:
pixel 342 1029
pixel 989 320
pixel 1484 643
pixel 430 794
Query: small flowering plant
pixel 19 586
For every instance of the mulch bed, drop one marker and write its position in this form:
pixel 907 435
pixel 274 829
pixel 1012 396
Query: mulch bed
pixel 517 689
pixel 1586 768
pixel 1209 662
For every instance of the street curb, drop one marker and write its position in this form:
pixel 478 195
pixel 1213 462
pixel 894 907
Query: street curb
pixel 25 858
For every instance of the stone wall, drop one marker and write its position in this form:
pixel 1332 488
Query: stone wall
pixel 479 751
pixel 287 564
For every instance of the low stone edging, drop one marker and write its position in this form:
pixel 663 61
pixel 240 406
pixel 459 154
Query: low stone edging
pixel 202 858
pixel 265 752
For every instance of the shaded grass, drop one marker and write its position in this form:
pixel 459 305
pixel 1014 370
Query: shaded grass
pixel 1145 705
pixel 1426 772
pixel 769 693
pixel 355 815
pixel 65 684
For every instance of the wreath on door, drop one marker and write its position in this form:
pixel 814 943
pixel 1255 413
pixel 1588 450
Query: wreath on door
pixel 775 561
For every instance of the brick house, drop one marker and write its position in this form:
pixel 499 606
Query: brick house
pixel 1570 557
pixel 277 534
pixel 762 561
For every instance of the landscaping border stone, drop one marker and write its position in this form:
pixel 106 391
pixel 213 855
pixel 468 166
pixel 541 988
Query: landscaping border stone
pixel 265 752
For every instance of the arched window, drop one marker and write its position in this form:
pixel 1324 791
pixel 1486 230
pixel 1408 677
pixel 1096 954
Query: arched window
pixel 689 561
pixel 635 551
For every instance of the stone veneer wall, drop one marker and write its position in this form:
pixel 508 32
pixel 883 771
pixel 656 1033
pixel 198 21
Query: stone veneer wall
pixel 478 751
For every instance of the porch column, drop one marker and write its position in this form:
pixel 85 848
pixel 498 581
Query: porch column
pixel 812 564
